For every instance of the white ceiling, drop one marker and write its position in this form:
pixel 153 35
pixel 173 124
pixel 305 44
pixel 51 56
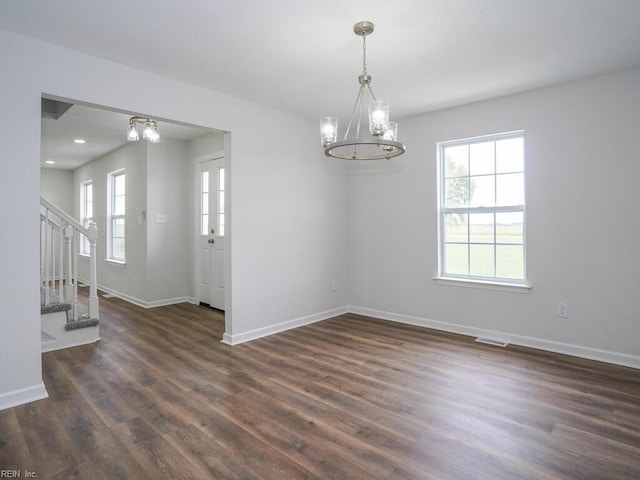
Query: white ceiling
pixel 103 131
pixel 302 56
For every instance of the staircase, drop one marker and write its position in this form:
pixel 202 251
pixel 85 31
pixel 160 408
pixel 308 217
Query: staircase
pixel 66 322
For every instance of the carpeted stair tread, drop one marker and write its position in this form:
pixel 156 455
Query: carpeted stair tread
pixel 55 307
pixel 82 323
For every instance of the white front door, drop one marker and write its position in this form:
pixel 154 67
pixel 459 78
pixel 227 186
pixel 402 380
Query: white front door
pixel 211 241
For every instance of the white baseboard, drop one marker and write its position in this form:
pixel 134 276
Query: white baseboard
pixel 53 346
pixel 53 325
pixel 143 303
pixel 22 396
pixel 531 342
pixel 243 337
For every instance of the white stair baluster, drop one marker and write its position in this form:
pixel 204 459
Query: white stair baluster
pixel 46 257
pixel 68 286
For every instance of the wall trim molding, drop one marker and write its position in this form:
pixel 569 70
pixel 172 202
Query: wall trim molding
pixel 238 338
pixel 523 341
pixel 589 353
pixel 22 396
pixel 143 303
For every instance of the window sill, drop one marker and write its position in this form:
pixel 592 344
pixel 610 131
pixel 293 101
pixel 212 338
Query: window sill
pixel 487 285
pixel 84 255
pixel 115 262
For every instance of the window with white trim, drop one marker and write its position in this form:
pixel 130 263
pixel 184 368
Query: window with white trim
pixel 482 219
pixel 217 223
pixel 116 202
pixel 86 212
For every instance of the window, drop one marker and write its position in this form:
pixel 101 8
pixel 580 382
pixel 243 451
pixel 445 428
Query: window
pixel 218 196
pixel 220 191
pixel 86 212
pixel 204 203
pixel 116 202
pixel 482 209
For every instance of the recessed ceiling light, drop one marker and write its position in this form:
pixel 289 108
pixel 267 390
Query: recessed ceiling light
pixel 49 162
pixel 79 140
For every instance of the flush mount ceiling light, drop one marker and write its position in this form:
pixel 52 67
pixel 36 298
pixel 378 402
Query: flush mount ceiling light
pixel 381 140
pixel 149 133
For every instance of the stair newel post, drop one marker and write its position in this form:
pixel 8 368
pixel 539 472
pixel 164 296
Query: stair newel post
pixel 68 286
pixel 92 236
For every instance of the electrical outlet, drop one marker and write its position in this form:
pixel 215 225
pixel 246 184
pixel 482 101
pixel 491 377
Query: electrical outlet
pixel 562 312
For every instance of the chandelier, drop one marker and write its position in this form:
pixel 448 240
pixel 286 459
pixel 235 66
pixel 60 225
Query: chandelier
pixel 381 140
pixel 149 133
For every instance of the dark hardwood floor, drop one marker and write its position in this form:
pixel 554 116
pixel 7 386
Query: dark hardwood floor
pixel 348 398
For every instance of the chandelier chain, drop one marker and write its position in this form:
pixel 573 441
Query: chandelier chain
pixel 364 55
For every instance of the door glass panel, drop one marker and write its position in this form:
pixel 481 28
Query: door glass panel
pixel 220 212
pixel 204 203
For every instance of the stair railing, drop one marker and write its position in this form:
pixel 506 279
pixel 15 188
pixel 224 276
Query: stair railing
pixel 60 236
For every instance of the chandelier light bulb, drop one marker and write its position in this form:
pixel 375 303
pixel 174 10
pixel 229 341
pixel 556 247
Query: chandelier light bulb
pixel 328 130
pixel 391 133
pixel 132 133
pixel 378 117
pixel 147 133
pixel 155 136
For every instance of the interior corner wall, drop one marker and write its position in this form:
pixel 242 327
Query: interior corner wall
pixel 582 236
pixel 130 279
pixel 287 228
pixel 168 234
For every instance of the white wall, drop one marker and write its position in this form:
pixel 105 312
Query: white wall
pixel 287 224
pixel 57 186
pixel 129 279
pixel 582 166
pixel 20 362
pixel 205 145
pixel 168 267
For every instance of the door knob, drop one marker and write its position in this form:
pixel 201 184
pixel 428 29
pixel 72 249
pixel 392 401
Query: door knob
pixel 211 240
